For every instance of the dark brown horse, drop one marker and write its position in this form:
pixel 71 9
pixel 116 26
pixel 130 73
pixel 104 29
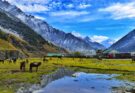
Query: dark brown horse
pixel 34 64
pixel 22 66
pixel 45 60
pixel 14 60
pixel 2 60
pixel 133 58
pixel 9 60
pixel 99 58
pixel 59 57
pixel 27 61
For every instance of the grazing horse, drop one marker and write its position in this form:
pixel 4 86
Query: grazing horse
pixel 50 58
pixel 45 60
pixel 34 64
pixel 27 61
pixel 133 58
pixel 14 60
pixel 81 59
pixel 60 57
pixel 99 58
pixel 22 66
pixel 9 60
pixel 2 60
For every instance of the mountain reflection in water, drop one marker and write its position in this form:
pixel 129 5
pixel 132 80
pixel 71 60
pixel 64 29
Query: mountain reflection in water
pixel 81 83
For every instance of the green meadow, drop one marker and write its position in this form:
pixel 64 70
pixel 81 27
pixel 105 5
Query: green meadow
pixel 11 77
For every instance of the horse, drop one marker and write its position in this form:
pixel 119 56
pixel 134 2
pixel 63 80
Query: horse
pixel 14 60
pixel 59 57
pixel 133 58
pixel 27 61
pixel 22 66
pixel 9 60
pixel 81 59
pixel 2 60
pixel 45 60
pixel 99 58
pixel 34 64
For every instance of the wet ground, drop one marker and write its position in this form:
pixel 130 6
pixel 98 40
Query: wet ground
pixel 85 83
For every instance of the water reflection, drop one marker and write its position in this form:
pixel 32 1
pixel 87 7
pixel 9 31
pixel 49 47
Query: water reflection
pixel 82 83
pixel 46 79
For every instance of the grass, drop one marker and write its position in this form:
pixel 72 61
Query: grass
pixel 10 76
pixel 106 64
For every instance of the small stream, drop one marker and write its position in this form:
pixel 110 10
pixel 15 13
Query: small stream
pixel 81 82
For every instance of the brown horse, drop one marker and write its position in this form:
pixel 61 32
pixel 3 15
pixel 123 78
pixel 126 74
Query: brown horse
pixel 45 60
pixel 22 66
pixel 133 58
pixel 34 64
pixel 99 58
pixel 2 60
pixel 14 60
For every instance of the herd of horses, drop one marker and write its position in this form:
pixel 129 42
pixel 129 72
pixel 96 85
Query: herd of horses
pixel 24 63
pixel 33 64
pixel 37 64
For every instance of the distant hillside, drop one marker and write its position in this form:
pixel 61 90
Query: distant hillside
pixel 125 44
pixel 23 37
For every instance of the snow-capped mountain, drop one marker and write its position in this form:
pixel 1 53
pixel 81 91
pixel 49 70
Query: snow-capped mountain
pixel 93 44
pixel 107 43
pixel 55 36
pixel 22 37
pixel 125 44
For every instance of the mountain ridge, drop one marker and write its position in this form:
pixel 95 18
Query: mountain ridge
pixel 126 43
pixel 53 35
pixel 31 42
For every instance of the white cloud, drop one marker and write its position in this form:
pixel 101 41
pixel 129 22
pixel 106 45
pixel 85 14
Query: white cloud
pixel 70 6
pixel 33 8
pixel 28 1
pixel 40 17
pixel 98 39
pixel 111 42
pixel 77 34
pixel 83 6
pixel 88 19
pixel 69 13
pixel 120 10
pixel 31 5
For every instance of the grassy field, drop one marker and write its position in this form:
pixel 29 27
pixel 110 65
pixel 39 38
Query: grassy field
pixel 11 77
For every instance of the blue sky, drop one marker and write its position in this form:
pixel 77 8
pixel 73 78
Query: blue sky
pixel 98 19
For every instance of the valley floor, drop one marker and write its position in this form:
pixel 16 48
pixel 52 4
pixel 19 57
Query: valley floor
pixel 11 78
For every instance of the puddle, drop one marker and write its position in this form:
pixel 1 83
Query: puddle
pixel 84 83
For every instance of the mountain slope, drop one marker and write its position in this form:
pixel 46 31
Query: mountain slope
pixel 125 44
pixel 55 36
pixel 33 43
pixel 6 45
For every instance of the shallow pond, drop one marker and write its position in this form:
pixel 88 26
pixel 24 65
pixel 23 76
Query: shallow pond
pixel 85 83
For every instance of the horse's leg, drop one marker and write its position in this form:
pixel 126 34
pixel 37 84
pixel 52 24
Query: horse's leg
pixel 30 69
pixel 3 61
pixel 20 68
pixel 36 68
pixel 24 68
